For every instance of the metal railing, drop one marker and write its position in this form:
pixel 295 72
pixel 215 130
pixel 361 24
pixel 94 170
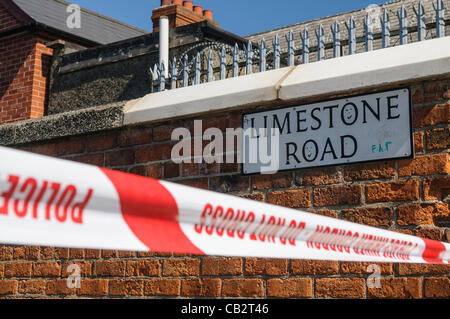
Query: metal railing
pixel 212 65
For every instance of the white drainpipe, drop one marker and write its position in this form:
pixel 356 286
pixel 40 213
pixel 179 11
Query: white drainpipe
pixel 164 43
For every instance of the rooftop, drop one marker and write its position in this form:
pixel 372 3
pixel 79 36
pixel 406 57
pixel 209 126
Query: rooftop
pixel 53 14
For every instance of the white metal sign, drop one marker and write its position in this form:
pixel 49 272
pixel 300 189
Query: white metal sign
pixel 350 130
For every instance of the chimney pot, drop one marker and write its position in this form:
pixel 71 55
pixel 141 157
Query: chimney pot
pixel 208 14
pixel 180 17
pixel 198 9
pixel 188 5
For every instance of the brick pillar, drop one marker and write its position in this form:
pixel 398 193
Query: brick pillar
pixel 24 65
pixel 41 66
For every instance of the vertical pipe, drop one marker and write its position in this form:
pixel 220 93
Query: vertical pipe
pixel 164 43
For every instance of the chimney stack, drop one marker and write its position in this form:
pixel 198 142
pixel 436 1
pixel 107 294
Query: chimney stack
pixel 181 13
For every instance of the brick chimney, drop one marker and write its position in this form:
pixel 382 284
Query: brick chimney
pixel 180 13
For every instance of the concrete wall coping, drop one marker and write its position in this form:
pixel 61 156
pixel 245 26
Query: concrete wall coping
pixel 63 125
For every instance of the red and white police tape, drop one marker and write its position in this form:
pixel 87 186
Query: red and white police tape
pixel 54 202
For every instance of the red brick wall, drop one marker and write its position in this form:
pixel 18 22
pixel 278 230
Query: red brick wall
pixel 406 196
pixel 24 65
pixel 7 21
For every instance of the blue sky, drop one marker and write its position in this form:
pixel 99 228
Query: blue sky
pixel 242 17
